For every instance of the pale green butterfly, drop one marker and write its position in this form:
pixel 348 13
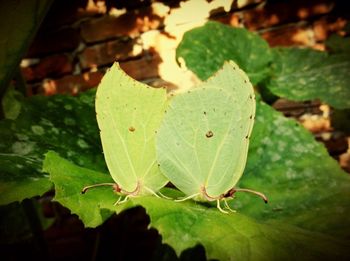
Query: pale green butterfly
pixel 128 115
pixel 202 144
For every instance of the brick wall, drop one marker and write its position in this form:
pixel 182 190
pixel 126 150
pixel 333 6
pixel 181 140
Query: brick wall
pixel 79 39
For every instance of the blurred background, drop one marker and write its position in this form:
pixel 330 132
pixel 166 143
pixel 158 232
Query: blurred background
pixel 79 39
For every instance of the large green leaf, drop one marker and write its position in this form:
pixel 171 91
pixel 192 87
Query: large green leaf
pixel 94 206
pixel 61 123
pixel 306 74
pixel 206 48
pixel 19 23
pixel 183 225
pixel 236 236
pixel 305 186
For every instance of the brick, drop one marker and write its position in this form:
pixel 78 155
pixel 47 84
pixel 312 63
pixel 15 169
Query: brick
pixel 49 41
pixel 326 26
pixel 289 36
pixel 68 12
pixel 51 66
pixel 105 53
pixel 144 68
pixel 284 12
pixel 129 24
pixel 71 84
pixel 140 69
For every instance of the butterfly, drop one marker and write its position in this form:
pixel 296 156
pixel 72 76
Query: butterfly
pixel 203 140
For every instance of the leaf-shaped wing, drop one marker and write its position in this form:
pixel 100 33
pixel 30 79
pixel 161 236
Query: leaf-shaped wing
pixel 203 140
pixel 128 115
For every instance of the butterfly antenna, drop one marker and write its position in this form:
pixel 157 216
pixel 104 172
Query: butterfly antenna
pixel 228 207
pixel 85 189
pixel 119 202
pixel 253 192
pixel 163 196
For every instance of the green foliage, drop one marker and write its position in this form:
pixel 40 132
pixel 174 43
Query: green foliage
pixel 305 74
pixel 183 225
pixel 215 43
pixel 94 206
pixel 305 186
pixel 19 22
pixel 307 217
pixel 62 123
pixel 284 162
pixel 295 73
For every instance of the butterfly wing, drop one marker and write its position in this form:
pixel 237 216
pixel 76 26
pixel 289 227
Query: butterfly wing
pixel 128 115
pixel 236 82
pixel 204 137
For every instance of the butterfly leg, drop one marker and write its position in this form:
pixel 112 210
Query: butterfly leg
pixel 228 207
pixel 124 200
pixel 219 207
pixel 163 196
pixel 186 198
pixel 152 192
pixel 119 201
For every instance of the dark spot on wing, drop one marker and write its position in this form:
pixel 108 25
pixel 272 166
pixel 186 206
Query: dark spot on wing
pixel 131 128
pixel 209 134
